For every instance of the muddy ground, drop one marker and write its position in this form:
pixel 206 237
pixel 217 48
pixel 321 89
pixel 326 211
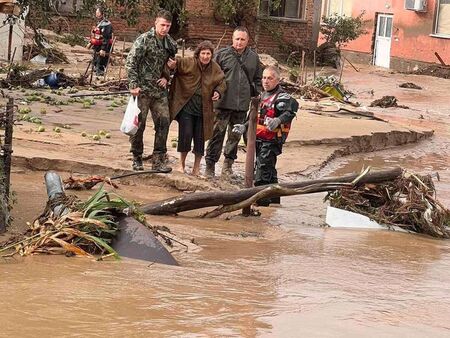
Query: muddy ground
pixel 317 145
pixel 279 274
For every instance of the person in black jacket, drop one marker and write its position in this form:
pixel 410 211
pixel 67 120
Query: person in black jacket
pixel 101 41
pixel 276 111
pixel 242 70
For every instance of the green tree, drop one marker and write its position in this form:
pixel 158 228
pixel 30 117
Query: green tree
pixel 340 29
pixel 235 12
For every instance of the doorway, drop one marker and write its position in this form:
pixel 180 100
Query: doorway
pixel 383 37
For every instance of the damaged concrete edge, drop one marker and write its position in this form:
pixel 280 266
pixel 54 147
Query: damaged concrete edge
pixel 83 168
pixel 369 143
pixel 355 144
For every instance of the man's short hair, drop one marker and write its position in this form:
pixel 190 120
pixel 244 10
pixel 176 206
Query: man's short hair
pixel 164 14
pixel 275 70
pixel 204 45
pixel 241 29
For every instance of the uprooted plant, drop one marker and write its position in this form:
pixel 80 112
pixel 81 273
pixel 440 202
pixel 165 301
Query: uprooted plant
pixel 87 228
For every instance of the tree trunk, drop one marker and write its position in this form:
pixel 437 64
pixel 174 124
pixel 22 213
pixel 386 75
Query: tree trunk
pixel 215 198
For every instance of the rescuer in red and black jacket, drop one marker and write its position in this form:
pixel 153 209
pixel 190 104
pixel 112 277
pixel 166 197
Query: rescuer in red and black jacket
pixel 101 41
pixel 276 111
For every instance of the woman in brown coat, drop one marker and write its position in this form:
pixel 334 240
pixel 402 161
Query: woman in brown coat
pixel 198 81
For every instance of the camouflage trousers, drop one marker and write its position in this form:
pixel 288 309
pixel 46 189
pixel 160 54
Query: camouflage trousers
pixel 159 108
pixel 224 118
pixel 266 173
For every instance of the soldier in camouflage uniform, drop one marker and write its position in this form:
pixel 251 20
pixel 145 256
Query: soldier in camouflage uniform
pixel 147 66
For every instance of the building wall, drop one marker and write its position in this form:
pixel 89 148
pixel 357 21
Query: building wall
pixel 203 26
pixel 83 26
pixel 411 34
pixel 16 42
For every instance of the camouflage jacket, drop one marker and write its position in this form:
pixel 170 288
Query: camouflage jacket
pixel 146 62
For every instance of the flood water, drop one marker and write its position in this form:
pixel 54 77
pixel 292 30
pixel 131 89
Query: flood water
pixel 280 275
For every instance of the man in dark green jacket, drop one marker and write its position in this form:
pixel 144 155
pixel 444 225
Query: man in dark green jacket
pixel 243 71
pixel 148 77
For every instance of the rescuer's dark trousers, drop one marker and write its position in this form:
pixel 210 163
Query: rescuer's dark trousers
pixel 266 173
pixel 100 62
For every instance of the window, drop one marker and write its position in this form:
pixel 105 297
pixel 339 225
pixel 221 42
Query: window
pixel 292 9
pixel 69 6
pixel 340 7
pixel 443 18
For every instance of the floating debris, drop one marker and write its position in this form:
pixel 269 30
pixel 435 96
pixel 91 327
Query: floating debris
pixel 408 202
pixel 87 230
pixel 86 183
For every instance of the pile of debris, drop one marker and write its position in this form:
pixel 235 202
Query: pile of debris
pixel 87 230
pixel 387 102
pixel 44 54
pixel 408 202
pixel 434 70
pixel 20 76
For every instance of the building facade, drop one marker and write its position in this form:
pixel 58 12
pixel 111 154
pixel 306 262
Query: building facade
pixel 293 22
pixel 402 34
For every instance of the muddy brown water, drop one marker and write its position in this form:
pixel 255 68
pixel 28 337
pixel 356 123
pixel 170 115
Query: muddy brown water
pixel 270 276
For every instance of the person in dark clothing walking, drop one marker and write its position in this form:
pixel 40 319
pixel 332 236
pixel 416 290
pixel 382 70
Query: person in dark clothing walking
pixel 276 111
pixel 101 41
pixel 242 70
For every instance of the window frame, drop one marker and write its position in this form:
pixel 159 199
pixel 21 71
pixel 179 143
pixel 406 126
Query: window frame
pixel 267 14
pixel 326 8
pixel 436 22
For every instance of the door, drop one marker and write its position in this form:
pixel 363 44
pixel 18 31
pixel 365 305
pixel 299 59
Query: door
pixel 382 54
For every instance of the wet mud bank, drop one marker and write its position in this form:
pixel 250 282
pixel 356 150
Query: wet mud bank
pixel 377 141
pixel 173 180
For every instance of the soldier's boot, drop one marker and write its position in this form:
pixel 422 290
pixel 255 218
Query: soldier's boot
pixel 227 169
pixel 210 169
pixel 159 163
pixel 137 163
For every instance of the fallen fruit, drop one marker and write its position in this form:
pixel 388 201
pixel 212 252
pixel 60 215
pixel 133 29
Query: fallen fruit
pixel 57 130
pixel 24 110
pixel 96 137
pixel 83 134
pixel 41 129
pixel 107 135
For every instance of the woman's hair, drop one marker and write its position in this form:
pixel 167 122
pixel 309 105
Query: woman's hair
pixel 202 46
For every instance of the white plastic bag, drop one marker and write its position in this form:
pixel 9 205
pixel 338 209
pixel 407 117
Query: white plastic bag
pixel 130 122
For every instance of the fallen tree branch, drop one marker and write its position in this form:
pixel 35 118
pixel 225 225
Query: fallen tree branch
pixel 194 201
pixel 274 191
pixel 277 190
